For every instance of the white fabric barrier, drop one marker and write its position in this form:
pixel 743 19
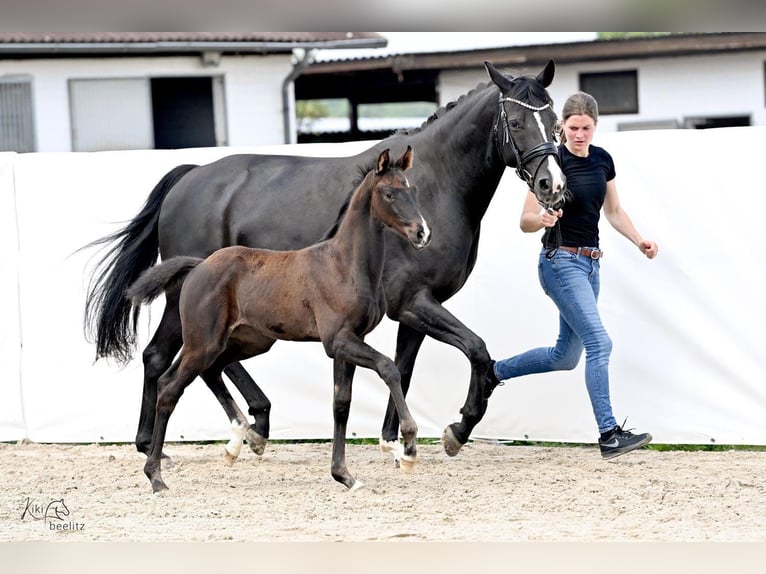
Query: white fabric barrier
pixel 689 359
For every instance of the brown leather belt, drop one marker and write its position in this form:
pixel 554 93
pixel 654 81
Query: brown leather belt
pixel 584 251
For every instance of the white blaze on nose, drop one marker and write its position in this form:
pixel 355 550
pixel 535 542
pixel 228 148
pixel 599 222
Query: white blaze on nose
pixel 553 166
pixel 426 230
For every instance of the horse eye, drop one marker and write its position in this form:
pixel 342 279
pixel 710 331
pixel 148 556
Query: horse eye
pixel 389 196
pixel 515 124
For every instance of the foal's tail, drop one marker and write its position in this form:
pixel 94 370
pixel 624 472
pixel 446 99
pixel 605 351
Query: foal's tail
pixel 108 317
pixel 160 278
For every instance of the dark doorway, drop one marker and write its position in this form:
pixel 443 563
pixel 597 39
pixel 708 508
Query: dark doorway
pixel 182 109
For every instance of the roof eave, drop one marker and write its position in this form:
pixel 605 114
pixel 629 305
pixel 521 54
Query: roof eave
pixel 95 48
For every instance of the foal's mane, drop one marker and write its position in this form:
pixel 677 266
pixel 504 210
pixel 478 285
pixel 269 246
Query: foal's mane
pixel 362 170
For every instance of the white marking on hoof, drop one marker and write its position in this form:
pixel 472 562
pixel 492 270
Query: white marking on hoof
pixel 356 486
pixel 394 447
pixel 234 446
pixel 408 464
pixel 229 459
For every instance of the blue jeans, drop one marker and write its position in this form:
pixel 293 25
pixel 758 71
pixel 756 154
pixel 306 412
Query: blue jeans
pixel 572 282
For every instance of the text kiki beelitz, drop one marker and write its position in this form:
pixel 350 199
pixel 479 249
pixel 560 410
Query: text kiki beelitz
pixel 55 514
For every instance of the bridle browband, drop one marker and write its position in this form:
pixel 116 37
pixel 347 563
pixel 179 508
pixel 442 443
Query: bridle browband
pixel 540 150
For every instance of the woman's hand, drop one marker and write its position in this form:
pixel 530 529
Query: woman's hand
pixel 648 248
pixel 549 217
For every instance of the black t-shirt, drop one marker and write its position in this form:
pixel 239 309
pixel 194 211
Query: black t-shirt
pixel 586 181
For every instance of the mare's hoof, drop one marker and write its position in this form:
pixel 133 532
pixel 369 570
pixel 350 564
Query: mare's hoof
pixel 257 442
pixel 408 464
pixel 393 447
pixel 450 443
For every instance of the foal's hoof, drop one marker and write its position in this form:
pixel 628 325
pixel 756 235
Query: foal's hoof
pixel 257 442
pixel 228 458
pixel 408 464
pixel 450 443
pixel 356 486
pixel 158 486
pixel 166 462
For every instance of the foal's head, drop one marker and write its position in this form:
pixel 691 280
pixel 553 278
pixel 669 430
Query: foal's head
pixel 393 199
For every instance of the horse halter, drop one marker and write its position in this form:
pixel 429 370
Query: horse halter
pixel 540 150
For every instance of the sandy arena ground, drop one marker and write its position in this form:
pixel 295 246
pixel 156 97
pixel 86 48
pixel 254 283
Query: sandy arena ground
pixel 488 492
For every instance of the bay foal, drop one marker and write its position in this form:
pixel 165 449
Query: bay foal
pixel 236 303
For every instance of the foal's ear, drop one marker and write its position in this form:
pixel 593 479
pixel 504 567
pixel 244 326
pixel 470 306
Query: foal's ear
pixel 546 76
pixel 497 77
pixel 405 162
pixel 384 161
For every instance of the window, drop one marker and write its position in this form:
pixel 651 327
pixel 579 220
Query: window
pixel 703 123
pixel 17 131
pixel 615 92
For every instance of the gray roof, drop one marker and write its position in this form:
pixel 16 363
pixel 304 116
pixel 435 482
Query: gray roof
pixel 671 45
pixel 66 43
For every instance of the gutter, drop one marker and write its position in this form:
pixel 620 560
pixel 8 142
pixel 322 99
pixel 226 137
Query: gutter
pixel 287 112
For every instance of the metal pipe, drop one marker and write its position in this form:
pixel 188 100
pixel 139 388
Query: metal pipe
pixel 287 116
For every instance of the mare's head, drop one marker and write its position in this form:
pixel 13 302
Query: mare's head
pixel 393 199
pixel 525 132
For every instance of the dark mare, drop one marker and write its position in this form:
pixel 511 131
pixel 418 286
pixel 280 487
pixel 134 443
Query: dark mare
pixel 288 202
pixel 236 303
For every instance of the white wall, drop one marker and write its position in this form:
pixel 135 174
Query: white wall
pixel 252 86
pixel 669 88
pixel 689 360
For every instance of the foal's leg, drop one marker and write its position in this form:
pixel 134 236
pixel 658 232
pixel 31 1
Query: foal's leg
pixel 343 376
pixel 408 343
pixel 349 347
pixel 157 357
pixel 258 403
pixel 172 385
pixel 428 315
pixel 239 422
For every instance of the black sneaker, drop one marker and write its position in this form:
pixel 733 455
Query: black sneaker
pixel 618 441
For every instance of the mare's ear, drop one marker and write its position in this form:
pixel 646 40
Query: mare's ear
pixel 384 161
pixel 546 76
pixel 498 78
pixel 405 162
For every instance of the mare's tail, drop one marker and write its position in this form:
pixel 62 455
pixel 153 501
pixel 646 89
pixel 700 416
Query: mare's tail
pixel 160 278
pixel 108 319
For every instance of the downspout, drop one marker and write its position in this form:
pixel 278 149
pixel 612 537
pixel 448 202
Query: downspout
pixel 287 115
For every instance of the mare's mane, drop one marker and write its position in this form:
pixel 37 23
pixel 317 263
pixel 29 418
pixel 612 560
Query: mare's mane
pixel 440 112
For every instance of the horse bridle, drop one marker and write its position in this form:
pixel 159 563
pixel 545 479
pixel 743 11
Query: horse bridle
pixel 540 150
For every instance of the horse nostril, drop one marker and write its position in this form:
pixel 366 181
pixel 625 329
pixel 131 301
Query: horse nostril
pixel 544 184
pixel 423 236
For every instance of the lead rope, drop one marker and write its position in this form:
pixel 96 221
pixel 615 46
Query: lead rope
pixel 555 231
